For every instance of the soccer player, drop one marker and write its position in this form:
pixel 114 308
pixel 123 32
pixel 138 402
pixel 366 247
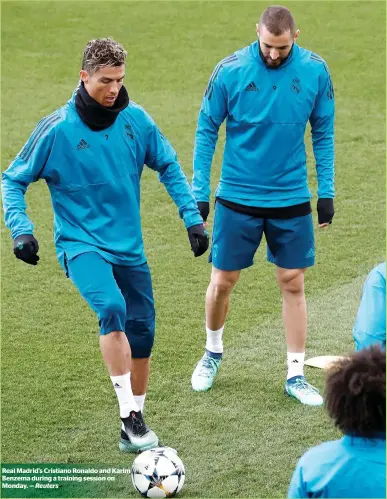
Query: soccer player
pixel 370 324
pixel 91 153
pixel 267 92
pixel 355 465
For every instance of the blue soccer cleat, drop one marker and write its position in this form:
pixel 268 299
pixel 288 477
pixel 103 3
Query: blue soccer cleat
pixel 298 388
pixel 204 374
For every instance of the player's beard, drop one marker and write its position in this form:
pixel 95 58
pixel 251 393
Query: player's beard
pixel 266 59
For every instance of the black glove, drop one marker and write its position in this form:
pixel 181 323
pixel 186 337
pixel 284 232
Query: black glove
pixel 204 209
pixel 198 238
pixel 26 248
pixel 325 210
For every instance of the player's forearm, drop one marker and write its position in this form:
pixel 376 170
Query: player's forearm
pixel 323 148
pixel 14 206
pixel 180 192
pixel 325 178
pixel 205 143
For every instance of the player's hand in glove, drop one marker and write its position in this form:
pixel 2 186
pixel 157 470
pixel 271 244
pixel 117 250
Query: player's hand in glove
pixel 198 238
pixel 325 211
pixel 26 248
pixel 204 209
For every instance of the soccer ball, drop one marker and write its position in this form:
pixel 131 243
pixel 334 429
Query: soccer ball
pixel 158 473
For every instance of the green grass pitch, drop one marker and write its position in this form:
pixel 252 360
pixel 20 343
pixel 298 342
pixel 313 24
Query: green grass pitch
pixel 244 437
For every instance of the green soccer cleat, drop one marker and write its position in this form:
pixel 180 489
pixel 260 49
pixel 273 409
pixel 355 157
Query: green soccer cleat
pixel 298 388
pixel 204 374
pixel 136 436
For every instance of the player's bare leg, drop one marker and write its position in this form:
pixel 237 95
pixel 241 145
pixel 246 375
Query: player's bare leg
pixel 140 378
pixel 294 314
pixel 116 354
pixel 115 349
pixel 218 296
pixel 217 306
pixel 140 375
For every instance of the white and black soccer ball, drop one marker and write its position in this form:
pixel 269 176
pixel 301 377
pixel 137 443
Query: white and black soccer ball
pixel 158 473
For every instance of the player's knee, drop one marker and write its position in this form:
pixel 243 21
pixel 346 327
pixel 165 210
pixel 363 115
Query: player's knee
pixel 220 289
pixel 141 334
pixel 291 281
pixel 222 283
pixel 112 314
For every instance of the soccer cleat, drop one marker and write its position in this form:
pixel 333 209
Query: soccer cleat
pixel 137 436
pixel 204 374
pixel 298 388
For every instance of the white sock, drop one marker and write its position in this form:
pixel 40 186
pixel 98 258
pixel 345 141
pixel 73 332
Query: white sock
pixel 124 393
pixel 295 364
pixel 140 401
pixel 214 340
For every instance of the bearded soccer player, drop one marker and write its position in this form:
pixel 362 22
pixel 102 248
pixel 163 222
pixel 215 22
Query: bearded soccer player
pixel 91 153
pixel 267 92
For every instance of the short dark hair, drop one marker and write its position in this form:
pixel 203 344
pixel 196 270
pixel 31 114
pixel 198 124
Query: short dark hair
pixel 103 52
pixel 277 20
pixel 355 393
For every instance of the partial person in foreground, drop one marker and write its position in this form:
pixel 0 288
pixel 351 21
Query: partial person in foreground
pixel 355 465
pixel 267 92
pixel 91 153
pixel 370 324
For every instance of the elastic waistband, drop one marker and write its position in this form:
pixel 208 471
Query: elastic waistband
pixel 284 212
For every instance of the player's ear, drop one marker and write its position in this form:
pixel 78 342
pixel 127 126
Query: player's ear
pixel 296 34
pixel 257 29
pixel 84 76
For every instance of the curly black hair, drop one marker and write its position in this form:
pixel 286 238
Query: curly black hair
pixel 355 393
pixel 103 52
